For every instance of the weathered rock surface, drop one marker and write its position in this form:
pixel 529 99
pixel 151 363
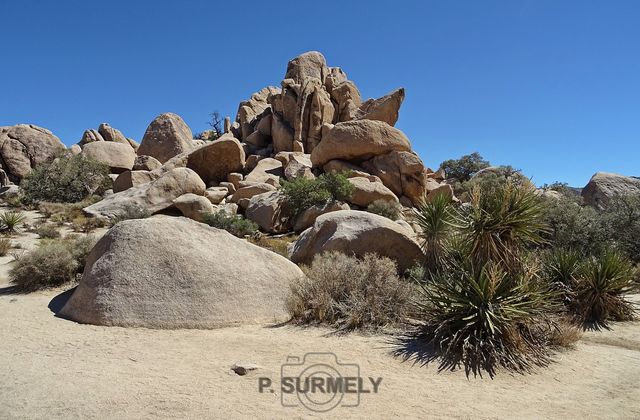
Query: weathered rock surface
pixel 161 272
pixel 366 191
pixel 267 171
pixel 217 159
pixel 151 197
pixel 146 163
pixel 24 146
pixel 269 211
pixel 604 186
pixel 167 136
pixel 359 140
pixel 308 217
pixel 382 109
pixel 118 156
pixel 357 233
pixel 129 179
pixel 109 133
pixel 193 206
pixel 402 172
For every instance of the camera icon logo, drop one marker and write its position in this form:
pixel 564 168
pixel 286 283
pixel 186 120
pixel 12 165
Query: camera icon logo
pixel 320 382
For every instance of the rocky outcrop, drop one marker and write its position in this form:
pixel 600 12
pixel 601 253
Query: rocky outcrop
pixel 167 136
pixel 109 133
pixel 357 233
pixel 24 146
pixel 118 156
pixel 307 218
pixel 161 272
pixel 151 197
pixel 604 186
pixel 129 179
pixel 266 171
pixel 358 141
pixel 146 163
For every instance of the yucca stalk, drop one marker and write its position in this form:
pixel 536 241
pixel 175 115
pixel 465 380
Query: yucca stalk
pixel 436 221
pixel 485 319
pixel 501 221
pixel 601 290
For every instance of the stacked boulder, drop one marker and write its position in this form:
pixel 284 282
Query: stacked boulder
pixel 604 186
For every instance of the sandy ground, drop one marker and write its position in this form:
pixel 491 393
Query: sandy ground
pixel 54 368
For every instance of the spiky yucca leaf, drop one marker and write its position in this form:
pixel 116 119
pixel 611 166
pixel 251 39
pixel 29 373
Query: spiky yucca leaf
pixel 601 287
pixel 10 220
pixel 436 220
pixel 501 221
pixel 485 319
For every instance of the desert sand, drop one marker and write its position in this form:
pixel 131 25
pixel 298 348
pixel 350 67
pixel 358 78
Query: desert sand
pixel 55 368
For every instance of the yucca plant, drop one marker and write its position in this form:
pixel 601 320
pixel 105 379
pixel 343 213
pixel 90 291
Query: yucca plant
pixel 436 220
pixel 10 220
pixel 601 289
pixel 560 269
pixel 501 221
pixel 487 318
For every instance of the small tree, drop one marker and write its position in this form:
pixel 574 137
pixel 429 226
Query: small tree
pixel 217 126
pixel 463 169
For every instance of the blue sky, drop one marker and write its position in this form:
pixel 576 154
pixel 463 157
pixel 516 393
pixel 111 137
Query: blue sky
pixel 548 86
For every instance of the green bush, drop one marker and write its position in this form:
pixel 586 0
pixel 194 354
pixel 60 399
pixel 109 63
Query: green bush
pixel 601 289
pixel 53 263
pixel 436 220
pixel 464 168
pixel 236 225
pixel 389 209
pixel 303 193
pixel 67 179
pixel 347 293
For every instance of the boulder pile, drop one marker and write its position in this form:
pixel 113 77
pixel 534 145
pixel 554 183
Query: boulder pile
pixel 604 186
pixel 315 122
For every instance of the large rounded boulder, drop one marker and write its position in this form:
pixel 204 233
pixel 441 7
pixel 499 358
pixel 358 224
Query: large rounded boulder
pixel 604 186
pixel 358 140
pixel 357 233
pixel 167 136
pixel 118 156
pixel 172 272
pixel 217 159
pixel 24 146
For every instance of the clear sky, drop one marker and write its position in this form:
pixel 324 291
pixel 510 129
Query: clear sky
pixel 549 86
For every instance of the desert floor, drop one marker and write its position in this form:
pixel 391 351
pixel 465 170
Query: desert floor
pixel 55 368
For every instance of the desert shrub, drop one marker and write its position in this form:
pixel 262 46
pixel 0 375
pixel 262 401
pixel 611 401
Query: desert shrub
pixel 436 220
pixel 487 318
pixel 464 168
pixel 601 289
pixel 47 231
pixel 303 193
pixel 279 245
pixel 61 213
pixel 490 179
pixel 564 334
pixel 348 293
pixel 129 212
pixel 5 246
pixel 621 220
pixel 389 209
pixel 234 224
pixel 87 224
pixel 53 263
pixel 10 220
pixel 67 179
